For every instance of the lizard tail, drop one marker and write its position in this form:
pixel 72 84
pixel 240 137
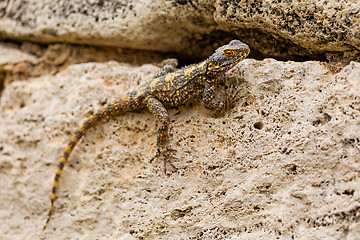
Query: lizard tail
pixel 106 112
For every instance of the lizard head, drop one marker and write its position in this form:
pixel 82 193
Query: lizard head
pixel 226 57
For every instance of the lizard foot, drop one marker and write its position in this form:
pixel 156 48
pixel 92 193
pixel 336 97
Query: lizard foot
pixel 164 153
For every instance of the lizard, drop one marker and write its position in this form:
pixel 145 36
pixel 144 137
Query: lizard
pixel 169 88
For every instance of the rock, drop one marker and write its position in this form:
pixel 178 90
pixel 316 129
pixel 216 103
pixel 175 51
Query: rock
pixel 13 63
pixel 192 29
pixel 282 163
pixel 21 61
pixel 10 55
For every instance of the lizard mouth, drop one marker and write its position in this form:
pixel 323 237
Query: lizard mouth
pixel 238 58
pixel 226 57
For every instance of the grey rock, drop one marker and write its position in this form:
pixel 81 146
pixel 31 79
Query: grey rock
pixel 283 29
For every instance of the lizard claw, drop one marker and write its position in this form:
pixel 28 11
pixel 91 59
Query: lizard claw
pixel 229 103
pixel 156 156
pixel 166 159
pixel 164 153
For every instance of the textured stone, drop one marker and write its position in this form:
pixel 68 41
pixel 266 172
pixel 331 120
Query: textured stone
pixel 19 62
pixel 310 29
pixel 13 63
pixel 282 163
pixel 10 54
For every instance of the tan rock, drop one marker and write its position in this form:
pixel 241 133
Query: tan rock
pixel 19 62
pixel 283 162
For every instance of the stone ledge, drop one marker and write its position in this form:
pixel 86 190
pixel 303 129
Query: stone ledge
pixel 282 163
pixel 300 29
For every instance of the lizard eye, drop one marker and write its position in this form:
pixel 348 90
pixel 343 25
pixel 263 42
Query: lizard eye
pixel 229 53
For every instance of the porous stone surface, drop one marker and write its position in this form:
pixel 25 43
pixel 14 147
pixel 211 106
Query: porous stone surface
pixel 283 163
pixel 23 60
pixel 284 29
pixel 13 61
pixel 11 55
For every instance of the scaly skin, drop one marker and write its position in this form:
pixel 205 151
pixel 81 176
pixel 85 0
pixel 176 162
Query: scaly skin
pixel 168 89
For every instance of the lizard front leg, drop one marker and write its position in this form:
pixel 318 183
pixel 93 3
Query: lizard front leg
pixel 158 109
pixel 208 96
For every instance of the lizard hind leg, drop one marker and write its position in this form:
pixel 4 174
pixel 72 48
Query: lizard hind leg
pixel 158 109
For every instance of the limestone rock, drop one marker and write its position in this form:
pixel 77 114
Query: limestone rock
pixel 282 163
pixel 21 61
pixel 13 63
pixel 283 29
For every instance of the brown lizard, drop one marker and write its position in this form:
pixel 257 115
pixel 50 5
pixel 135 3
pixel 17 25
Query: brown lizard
pixel 169 88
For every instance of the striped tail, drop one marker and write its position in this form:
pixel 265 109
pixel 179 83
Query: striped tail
pixel 106 112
